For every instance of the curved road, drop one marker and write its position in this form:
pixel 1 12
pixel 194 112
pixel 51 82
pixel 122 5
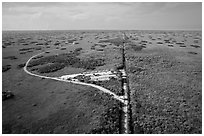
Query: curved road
pixel 120 98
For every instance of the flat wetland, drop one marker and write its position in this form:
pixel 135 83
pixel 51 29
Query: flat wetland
pixel 164 70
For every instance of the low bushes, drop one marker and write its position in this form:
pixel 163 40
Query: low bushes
pixel 182 46
pixel 10 57
pixel 7 95
pixel 110 121
pixel 195 46
pixel 137 47
pixel 190 52
pixel 66 59
pixel 170 45
pixel 116 41
pixel 25 49
pixel 6 68
pixel 21 65
pixel 114 85
pixel 51 68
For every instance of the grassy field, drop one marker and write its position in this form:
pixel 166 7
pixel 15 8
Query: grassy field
pixel 164 71
pixel 47 106
pixel 166 84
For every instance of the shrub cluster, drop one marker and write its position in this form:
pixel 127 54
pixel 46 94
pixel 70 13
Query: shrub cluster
pixel 67 59
pixel 21 65
pixel 110 121
pixel 116 41
pixel 6 68
pixel 114 85
pixel 10 57
pixel 51 68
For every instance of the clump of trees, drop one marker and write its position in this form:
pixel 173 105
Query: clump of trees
pixel 60 61
pixel 137 47
pixel 116 41
pixel 30 49
pixel 170 45
pixel 25 49
pixel 77 50
pixel 195 46
pixel 83 78
pixel 110 121
pixel 7 95
pixel 114 85
pixel 21 65
pixel 134 69
pixel 6 68
pixel 10 57
pixel 51 68
pixel 182 46
pixel 190 52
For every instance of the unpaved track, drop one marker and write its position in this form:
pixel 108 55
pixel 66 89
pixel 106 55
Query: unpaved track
pixel 127 105
pixel 75 82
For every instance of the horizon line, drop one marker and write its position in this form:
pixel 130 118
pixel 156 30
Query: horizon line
pixel 106 30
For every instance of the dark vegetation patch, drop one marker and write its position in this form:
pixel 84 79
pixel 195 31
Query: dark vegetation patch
pixel 57 43
pixel 195 46
pixel 38 57
pixel 7 95
pixel 77 50
pixel 99 49
pixel 137 47
pixel 165 112
pixel 93 47
pixel 180 43
pixel 39 44
pixel 77 117
pixel 63 48
pixel 6 68
pixel 118 67
pixel 114 85
pixel 38 48
pixel 23 52
pixel 110 121
pixel 25 44
pixel 100 44
pixel 26 49
pixel 7 44
pixel 159 42
pixel 21 65
pixel 68 58
pixel 83 78
pixel 71 40
pixel 103 45
pixel 142 65
pixel 190 52
pixel 170 45
pixel 10 57
pixel 60 61
pixel 164 103
pixel 134 69
pixel 51 68
pixel 182 46
pixel 116 41
pixel 30 49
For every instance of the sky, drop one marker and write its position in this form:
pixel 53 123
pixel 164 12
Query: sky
pixel 108 16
